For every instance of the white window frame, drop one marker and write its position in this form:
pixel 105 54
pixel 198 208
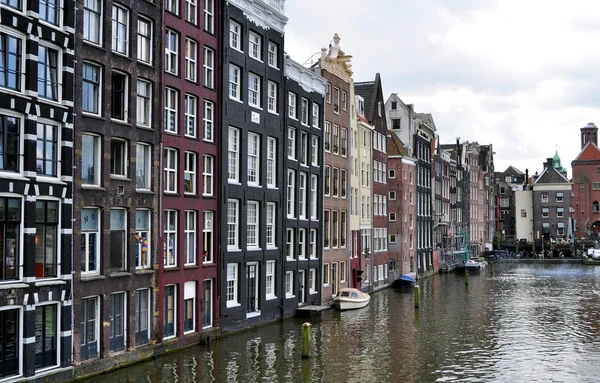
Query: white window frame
pixel 314 187
pixel 235 90
pixel 96 86
pixel 143 242
pixel 191 11
pixel 272 55
pixel 144 41
pixel 254 90
pixel 171 52
pixel 313 244
pixel 116 39
pixel 144 103
pixel 235 35
pixel 301 244
pixel 86 233
pixel 170 230
pixel 255 46
pixel 291 191
pixel 233 222
pixel 271 162
pixel 289 284
pixel 291 143
pixel 191 59
pixel 209 16
pixel 232 283
pixel 209 67
pixel 190 237
pixel 271 226
pixel 312 281
pixel 272 97
pixel 170 167
pixel 253 159
pixel 190 170
pixel 208 121
pixel 315 115
pixel 302 189
pixel 304 111
pixel 208 175
pixel 171 110
pixel 143 152
pixel 191 114
pixel 98 17
pixel 233 155
pixel 208 219
pixel 124 157
pixel 314 153
pixel 292 105
pixel 253 225
pixel 289 243
pixel 270 279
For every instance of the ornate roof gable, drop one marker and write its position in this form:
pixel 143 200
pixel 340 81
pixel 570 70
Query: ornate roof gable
pixel 335 61
pixel 266 14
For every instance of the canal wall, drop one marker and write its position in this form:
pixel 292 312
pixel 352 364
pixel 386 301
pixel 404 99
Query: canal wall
pixel 537 260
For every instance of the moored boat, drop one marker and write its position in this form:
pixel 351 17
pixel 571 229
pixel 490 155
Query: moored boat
pixel 405 281
pixel 349 298
pixel 475 264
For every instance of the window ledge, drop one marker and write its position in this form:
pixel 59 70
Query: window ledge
pixel 92 187
pixel 253 249
pixel 119 178
pixel 144 271
pixel 171 268
pixel 15 285
pixel 191 267
pixel 53 282
pixel 290 296
pixel 270 298
pixel 311 292
pixel 91 277
pixel 49 180
pixel 13 176
pixel 119 274
pixel 253 315
pixel 233 304
pixel 209 264
pixel 144 191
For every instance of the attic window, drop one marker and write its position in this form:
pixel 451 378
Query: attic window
pixel 379 108
pixel 394 105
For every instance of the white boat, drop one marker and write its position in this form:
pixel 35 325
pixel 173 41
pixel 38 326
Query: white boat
pixel 475 264
pixel 349 299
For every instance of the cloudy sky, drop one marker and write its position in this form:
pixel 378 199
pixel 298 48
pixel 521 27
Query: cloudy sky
pixel 523 75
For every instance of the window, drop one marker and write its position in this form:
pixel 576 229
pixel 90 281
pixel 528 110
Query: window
pixel 504 202
pixel 595 207
pixel 291 191
pixel 234 82
pixel 343 269
pixel 209 16
pixel 336 139
pixel 11 61
pixel 207 175
pixel 232 281
pixel 392 238
pixel 302 196
pixel 289 244
pixel 270 280
pixel 272 54
pixel 90 240
pixel 120 29
pixel 304 111
pixel 119 96
pixel 170 229
pixel 271 222
pixel 235 31
pixel 171 102
pixel 560 212
pixel 172 6
pixel 343 184
pixel 142 316
pixel 289 284
pixel 545 197
pixel 191 11
pixel 189 173
pixel 335 181
pixel 207 237
pixel 209 115
pixel 191 108
pixel 90 159
pixel 253 159
pixel 559 197
pixel 92 21
pixel 301 243
pixel 209 68
pixel 47 161
pixel 271 162
pixel 233 150
pixel 144 40
pixel 46 336
pixel 170 163
pixel 118 239
pixel 253 90
pixel 10 152
pixel 315 116
pixel 189 233
pixel 326 229
pixel 523 213
pixel 292 105
pixel 342 229
pixel 314 153
pixel 272 97
pixel 252 238
pixel 392 217
pixel 334 229
pixel 326 274
pixel 312 281
pixel 392 173
pixel 312 249
pixel 254 46
pixel 142 237
pixel 560 229
pixel 344 141
pixel 189 307
pixel 313 196
pixel 142 166
pixel 326 172
pixel 191 59
pixel 327 136
pixel 48 74
pixel 232 224
pixel 118 158
pixel 118 319
pixel 291 143
pixel 304 148
pixel 336 100
pixel 90 328
pixel 171 51
pixel 46 239
pixel 144 103
pixel 170 310
pixel 344 100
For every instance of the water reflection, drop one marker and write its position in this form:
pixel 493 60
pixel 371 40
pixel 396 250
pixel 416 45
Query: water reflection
pixel 524 323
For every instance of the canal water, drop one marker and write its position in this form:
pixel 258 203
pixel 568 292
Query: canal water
pixel 524 323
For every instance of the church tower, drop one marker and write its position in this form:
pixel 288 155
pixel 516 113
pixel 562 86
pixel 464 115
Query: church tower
pixel 589 133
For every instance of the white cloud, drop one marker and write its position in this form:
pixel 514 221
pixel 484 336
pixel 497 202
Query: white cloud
pixel 521 75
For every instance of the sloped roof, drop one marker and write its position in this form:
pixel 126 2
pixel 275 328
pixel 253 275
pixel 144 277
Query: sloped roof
pixel 427 118
pixel 450 148
pixel 512 169
pixel 395 147
pixel 367 91
pixel 590 152
pixel 551 176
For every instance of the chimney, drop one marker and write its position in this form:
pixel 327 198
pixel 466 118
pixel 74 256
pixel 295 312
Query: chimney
pixel 548 163
pixel 526 179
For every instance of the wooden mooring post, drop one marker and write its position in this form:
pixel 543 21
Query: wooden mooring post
pixel 305 339
pixel 466 277
pixel 417 296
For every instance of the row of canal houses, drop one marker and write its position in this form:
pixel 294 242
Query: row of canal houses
pixel 149 201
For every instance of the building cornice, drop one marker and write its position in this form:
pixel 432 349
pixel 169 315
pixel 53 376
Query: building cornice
pixel 308 79
pixel 266 14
